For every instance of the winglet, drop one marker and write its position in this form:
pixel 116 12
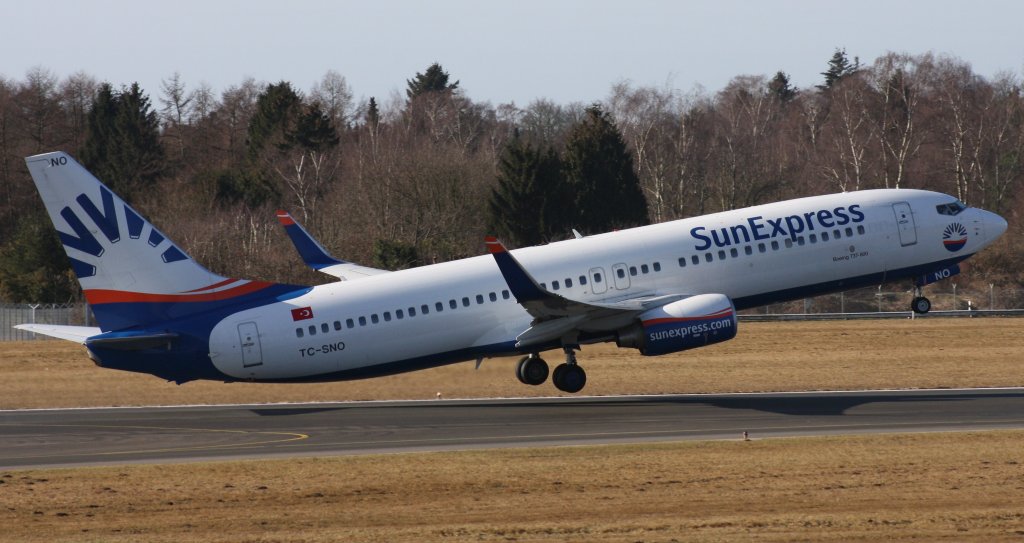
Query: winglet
pixel 519 281
pixel 312 253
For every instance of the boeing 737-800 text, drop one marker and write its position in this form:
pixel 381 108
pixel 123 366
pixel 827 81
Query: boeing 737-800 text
pixel 661 289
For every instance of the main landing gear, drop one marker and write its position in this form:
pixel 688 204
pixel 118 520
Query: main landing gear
pixel 920 304
pixel 568 377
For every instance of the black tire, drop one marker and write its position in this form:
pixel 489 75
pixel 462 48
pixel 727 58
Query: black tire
pixel 519 369
pixel 921 305
pixel 533 370
pixel 570 379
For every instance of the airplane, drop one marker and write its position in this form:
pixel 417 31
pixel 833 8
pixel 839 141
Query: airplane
pixel 660 289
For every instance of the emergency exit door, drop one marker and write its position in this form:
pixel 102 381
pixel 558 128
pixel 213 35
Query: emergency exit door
pixel 249 336
pixel 905 223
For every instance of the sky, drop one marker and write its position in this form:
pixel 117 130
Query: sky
pixel 514 51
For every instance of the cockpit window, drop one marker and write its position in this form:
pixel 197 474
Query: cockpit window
pixel 953 208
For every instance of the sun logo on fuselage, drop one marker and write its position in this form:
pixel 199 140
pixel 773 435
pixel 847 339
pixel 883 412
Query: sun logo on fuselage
pixel 954 237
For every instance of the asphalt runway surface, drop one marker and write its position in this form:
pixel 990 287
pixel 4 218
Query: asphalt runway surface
pixel 78 437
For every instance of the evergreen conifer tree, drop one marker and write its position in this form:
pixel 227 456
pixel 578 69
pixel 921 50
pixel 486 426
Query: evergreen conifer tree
pixel 599 170
pixel 779 86
pixel 839 66
pixel 122 143
pixel 277 110
pixel 434 79
pixel 528 205
pixel 372 113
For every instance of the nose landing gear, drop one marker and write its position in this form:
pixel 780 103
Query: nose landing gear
pixel 920 304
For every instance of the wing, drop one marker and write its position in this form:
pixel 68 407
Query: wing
pixel 316 257
pixel 556 316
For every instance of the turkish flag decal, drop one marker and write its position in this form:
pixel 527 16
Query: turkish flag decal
pixel 302 313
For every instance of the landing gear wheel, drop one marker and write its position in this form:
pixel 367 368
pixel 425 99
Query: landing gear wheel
pixel 570 378
pixel 532 370
pixel 921 305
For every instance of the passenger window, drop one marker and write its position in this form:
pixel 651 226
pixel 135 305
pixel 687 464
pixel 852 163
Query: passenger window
pixel 350 323
pixel 583 279
pixel 775 245
pixel 325 328
pixel 399 314
pixel 721 254
pixel 657 266
pixel 544 286
pixel 362 321
pixel 682 262
pixel 298 332
pixel 733 252
pixel 789 243
pixel 824 236
pixel 597 277
pixel 505 295
pixel 439 307
pixel 374 318
pixel 748 250
pixel 312 330
pixel 860 229
pixel 632 271
pixel 800 241
pixel 849 232
pixel 554 285
pixel 387 316
pixel 453 304
pixel 465 301
pixel 621 273
pixel 337 325
pixel 814 238
pixel 708 257
pixel 644 268
pixel 695 259
pixel 835 234
pixel 412 312
pixel 761 248
pixel 493 297
pixel 568 282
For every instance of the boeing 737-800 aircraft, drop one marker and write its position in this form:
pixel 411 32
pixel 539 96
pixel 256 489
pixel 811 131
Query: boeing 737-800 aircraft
pixel 660 289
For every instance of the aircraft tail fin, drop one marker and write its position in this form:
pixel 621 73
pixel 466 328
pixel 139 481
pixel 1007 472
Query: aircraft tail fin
pixel 130 272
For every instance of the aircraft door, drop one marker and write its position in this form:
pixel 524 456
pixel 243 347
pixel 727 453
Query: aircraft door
pixel 597 281
pixel 621 273
pixel 249 336
pixel 905 223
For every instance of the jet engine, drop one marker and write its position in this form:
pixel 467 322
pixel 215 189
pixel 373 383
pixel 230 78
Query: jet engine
pixel 685 324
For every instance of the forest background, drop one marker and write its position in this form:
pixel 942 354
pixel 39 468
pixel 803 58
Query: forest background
pixel 423 177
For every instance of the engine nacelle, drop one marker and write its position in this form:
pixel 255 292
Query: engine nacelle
pixel 687 324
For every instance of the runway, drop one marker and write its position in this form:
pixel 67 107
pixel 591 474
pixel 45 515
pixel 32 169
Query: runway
pixel 78 437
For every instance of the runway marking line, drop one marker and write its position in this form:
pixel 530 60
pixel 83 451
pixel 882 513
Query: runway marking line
pixel 292 436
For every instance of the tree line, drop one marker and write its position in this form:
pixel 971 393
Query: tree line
pixel 421 178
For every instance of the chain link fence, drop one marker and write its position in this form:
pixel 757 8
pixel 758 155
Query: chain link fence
pixel 66 314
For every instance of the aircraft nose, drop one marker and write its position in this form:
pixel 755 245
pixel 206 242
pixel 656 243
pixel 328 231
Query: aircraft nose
pixel 994 225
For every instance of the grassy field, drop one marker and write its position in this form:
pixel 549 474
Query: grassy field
pixel 921 487
pixel 922 353
pixel 917 487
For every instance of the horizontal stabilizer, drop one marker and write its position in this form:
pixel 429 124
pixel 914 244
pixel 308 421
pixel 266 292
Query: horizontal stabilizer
pixel 78 334
pixel 316 256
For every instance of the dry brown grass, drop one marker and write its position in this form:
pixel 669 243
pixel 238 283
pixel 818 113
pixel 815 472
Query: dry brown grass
pixel 923 487
pixel 923 353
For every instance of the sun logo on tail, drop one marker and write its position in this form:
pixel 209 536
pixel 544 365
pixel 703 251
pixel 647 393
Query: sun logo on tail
pixel 954 237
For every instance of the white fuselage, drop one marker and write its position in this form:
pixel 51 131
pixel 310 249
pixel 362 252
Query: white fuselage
pixel 463 309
